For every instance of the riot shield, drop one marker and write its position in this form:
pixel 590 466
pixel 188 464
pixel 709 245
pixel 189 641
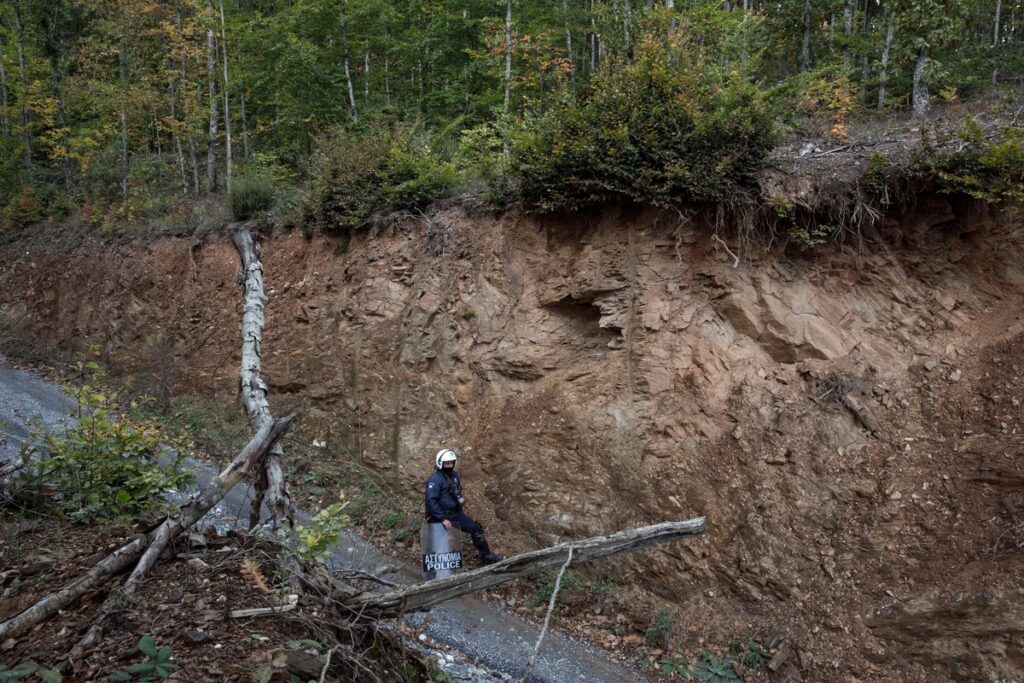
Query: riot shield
pixel 441 550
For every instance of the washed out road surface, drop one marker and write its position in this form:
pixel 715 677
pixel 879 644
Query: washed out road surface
pixel 499 640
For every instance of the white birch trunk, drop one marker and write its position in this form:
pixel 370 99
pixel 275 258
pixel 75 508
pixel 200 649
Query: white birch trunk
pixel 995 42
pixel 568 43
pixel 922 105
pixel 227 110
pixel 883 74
pixel 344 54
pixel 211 68
pixel 508 54
pixel 252 388
pixel 805 43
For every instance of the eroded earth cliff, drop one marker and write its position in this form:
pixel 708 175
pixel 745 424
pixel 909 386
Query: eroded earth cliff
pixel 848 419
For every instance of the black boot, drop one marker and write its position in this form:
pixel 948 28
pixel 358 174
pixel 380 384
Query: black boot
pixel 482 547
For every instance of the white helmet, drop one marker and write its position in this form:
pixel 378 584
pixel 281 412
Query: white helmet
pixel 445 455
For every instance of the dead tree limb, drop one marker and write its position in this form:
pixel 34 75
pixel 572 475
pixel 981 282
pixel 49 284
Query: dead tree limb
pixel 370 606
pixel 547 617
pixel 270 484
pixel 123 558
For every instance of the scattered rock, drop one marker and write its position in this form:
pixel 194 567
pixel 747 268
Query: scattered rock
pixel 196 637
pixel 931 364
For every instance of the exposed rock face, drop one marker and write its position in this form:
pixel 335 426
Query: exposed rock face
pixel 602 372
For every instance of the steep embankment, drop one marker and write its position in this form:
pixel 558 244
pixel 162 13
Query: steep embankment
pixel 848 421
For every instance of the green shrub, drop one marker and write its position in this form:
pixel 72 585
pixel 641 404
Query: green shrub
pixel 663 131
pixel 105 465
pixel 155 667
pixel 251 194
pixel 991 170
pixel 354 174
pixel 318 537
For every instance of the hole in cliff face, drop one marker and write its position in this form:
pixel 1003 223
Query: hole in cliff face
pixel 581 320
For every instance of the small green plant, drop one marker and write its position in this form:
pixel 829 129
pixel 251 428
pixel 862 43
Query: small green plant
pixel 711 669
pixel 317 539
pixel 877 173
pixel 676 665
pixel 107 465
pixel 155 667
pixel 661 627
pixel 571 580
pixel 251 194
pixel 23 671
pixel 755 655
pixel 468 314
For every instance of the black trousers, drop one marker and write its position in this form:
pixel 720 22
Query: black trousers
pixel 467 524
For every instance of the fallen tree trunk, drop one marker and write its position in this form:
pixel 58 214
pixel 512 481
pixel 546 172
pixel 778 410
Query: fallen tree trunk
pixel 270 484
pixel 123 558
pixel 371 606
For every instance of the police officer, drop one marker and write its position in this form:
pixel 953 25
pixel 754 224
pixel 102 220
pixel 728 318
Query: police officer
pixel 444 501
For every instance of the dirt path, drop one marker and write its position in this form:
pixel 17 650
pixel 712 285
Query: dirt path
pixel 499 640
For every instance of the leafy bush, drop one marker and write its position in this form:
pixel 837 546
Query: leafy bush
pixel 352 175
pixel 251 194
pixel 327 526
pixel 989 170
pixel 23 671
pixel 571 580
pixel 658 633
pixel 35 202
pixel 105 465
pixel 662 131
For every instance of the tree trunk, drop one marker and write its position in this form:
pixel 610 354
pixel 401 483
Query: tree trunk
pixel 848 33
pixel 5 119
pixel 508 54
pixel 211 68
pixel 595 40
pixel 423 596
pixel 188 128
pixel 58 95
pixel 245 129
pixel 344 55
pixel 568 44
pixel 995 43
pixel 123 558
pixel 26 115
pixel 227 109
pixel 177 140
pixel 883 73
pixel 922 107
pixel 805 43
pixel 254 391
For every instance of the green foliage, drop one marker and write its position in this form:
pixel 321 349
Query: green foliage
pixel 34 203
pixel 662 130
pixel 327 526
pixel 711 669
pixel 658 633
pixel 22 672
pixel 155 667
pixel 251 194
pixel 878 171
pixel 106 465
pixel 676 665
pixel 754 655
pixel 354 174
pixel 571 580
pixel 989 170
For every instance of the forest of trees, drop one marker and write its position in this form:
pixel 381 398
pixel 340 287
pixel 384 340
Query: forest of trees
pixel 123 109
